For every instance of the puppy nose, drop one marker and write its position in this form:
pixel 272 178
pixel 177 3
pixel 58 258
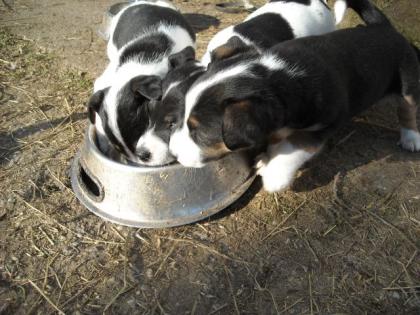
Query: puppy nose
pixel 144 155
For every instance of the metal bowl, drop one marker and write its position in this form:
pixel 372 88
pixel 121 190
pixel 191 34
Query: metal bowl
pixel 154 197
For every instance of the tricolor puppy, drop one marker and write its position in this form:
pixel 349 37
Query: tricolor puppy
pixel 273 23
pixel 288 101
pixel 143 36
pixel 166 114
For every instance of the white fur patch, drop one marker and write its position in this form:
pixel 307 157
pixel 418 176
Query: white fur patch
pixel 274 63
pixel 159 150
pixel 170 87
pixel 340 7
pixel 106 78
pixel 282 162
pixel 185 149
pixel 304 20
pixel 196 90
pixel 410 140
pixel 101 137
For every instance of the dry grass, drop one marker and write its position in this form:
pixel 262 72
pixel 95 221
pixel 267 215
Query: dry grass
pixel 346 243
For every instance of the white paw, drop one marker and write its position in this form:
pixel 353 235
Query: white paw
pixel 272 185
pixel 410 140
pixel 275 181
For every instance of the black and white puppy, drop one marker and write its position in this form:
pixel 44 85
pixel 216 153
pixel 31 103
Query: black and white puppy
pixel 288 101
pixel 143 36
pixel 273 23
pixel 166 115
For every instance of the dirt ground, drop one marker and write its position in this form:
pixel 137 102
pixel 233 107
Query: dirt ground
pixel 343 240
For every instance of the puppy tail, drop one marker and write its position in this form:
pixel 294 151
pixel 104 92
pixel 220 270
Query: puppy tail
pixel 369 13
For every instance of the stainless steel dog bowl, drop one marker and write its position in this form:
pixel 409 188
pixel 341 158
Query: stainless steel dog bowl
pixel 154 197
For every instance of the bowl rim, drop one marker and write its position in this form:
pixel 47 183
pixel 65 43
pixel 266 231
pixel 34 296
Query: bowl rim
pixel 91 145
pixel 138 168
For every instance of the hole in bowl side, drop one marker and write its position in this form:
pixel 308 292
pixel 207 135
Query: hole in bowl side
pixel 90 184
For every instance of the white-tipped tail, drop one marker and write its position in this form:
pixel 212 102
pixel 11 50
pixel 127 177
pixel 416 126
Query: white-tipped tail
pixel 340 7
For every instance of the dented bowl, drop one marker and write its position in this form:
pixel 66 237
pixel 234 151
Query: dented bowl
pixel 155 197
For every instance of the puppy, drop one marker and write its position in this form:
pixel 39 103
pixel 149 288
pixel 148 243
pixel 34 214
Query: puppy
pixel 286 102
pixel 166 115
pixel 274 22
pixel 143 36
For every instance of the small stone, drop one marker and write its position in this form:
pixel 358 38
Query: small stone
pixel 149 273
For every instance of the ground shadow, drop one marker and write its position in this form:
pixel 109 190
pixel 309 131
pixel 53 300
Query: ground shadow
pixel 9 141
pixel 358 144
pixel 201 22
pixel 242 202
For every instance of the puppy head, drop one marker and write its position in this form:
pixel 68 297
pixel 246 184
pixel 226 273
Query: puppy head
pixel 225 111
pixel 120 112
pixel 166 115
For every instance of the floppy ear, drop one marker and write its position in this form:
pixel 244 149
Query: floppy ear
pixel 150 86
pixel 182 57
pixel 240 130
pixel 94 104
pixel 231 48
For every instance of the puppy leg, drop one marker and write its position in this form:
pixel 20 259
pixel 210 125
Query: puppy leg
pixel 410 136
pixel 285 158
pixel 407 110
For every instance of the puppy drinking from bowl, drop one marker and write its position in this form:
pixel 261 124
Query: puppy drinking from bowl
pixel 289 100
pixel 272 23
pixel 143 36
pixel 165 114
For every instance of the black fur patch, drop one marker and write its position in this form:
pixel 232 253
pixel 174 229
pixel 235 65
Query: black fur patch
pixel 148 48
pixel 137 19
pixel 132 116
pixel 265 30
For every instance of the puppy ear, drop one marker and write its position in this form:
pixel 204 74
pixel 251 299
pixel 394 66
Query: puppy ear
pixel 150 86
pixel 182 57
pixel 240 130
pixel 94 104
pixel 232 47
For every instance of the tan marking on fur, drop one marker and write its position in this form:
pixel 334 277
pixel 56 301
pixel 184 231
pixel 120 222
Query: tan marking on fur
pixel 407 111
pixel 305 141
pixel 193 122
pixel 244 104
pixel 280 135
pixel 216 149
pixel 223 52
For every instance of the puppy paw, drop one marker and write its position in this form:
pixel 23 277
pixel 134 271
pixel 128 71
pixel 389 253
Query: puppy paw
pixel 410 140
pixel 275 181
pixel 276 185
